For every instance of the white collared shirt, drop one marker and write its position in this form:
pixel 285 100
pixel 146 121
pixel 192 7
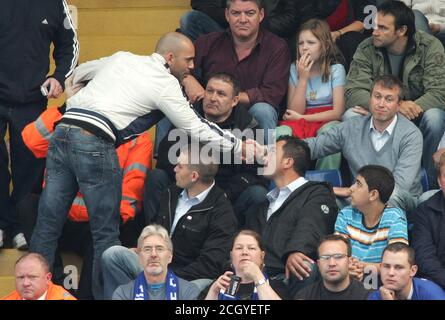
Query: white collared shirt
pixel 42 297
pixel 379 139
pixel 185 203
pixel 277 196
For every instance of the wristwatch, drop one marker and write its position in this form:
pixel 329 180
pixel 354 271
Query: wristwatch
pixel 260 282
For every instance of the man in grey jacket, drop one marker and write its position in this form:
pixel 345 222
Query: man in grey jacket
pixel 383 138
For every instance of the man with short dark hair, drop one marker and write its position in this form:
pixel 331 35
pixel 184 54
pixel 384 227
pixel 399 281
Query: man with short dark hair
pixel 258 58
pixel 384 138
pixel 398 269
pixel 369 223
pixel 334 257
pixel 298 215
pixel 417 59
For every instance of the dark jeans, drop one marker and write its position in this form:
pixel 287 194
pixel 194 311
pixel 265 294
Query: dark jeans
pixel 26 171
pixel 79 160
pixel 196 23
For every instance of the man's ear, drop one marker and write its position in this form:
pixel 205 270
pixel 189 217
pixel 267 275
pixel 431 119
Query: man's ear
pixel 374 195
pixel 170 58
pixel 261 15
pixel 402 30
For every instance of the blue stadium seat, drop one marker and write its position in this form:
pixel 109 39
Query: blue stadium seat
pixel 331 176
pixel 424 180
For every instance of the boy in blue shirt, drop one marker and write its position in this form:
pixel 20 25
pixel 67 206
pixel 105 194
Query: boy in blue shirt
pixel 369 223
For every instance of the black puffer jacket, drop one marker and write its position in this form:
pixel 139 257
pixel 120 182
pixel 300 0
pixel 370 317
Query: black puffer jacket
pixel 307 215
pixel 202 237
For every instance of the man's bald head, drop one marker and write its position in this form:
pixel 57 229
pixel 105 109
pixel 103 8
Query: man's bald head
pixel 172 42
pixel 178 51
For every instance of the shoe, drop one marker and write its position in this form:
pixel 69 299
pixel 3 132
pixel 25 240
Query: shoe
pixel 1 238
pixel 19 242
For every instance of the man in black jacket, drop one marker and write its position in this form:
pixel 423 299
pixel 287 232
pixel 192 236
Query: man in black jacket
pixel 27 29
pixel 200 221
pixel 243 186
pixel 428 238
pixel 299 214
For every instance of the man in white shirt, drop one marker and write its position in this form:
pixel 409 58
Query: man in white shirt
pixel 200 220
pixel 126 94
pixel 298 215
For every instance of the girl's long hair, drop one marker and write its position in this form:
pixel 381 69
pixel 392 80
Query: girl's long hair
pixel 330 54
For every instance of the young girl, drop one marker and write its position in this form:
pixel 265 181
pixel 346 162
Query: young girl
pixel 317 80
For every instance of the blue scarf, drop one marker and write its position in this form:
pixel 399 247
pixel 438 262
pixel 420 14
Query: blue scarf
pixel 141 287
pixel 254 296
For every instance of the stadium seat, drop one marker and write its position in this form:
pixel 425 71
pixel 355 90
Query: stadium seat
pixel 332 176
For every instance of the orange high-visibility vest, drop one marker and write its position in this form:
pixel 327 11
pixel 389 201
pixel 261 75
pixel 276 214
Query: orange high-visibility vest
pixel 54 292
pixel 134 158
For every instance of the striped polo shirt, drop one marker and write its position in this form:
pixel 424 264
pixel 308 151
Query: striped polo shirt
pixel 368 243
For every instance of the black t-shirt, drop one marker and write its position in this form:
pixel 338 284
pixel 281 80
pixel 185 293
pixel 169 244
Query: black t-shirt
pixel 317 291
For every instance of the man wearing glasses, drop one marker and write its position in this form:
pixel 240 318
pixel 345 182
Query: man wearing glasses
pixel 334 256
pixel 156 281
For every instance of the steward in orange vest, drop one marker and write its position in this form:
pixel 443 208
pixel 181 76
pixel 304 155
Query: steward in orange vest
pixel 54 292
pixel 134 159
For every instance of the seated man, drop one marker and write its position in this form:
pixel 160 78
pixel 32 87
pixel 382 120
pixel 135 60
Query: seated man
pixel 198 217
pixel 134 159
pixel 258 58
pixel 415 58
pixel 429 233
pixel 334 257
pixel 243 186
pixel 156 281
pixel 33 281
pixel 298 215
pixel 383 138
pixel 368 222
pixel 398 269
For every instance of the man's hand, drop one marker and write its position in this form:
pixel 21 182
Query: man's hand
pixel 410 109
pixel 55 89
pixel 387 294
pixel 360 110
pixel 298 264
pixel 71 89
pixel 252 150
pixel 193 88
pixel 435 27
pixel 356 269
pixel 342 192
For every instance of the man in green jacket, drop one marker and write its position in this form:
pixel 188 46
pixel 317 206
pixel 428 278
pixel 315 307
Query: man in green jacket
pixel 417 59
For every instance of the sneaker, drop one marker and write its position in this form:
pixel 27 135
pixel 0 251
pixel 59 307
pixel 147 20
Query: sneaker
pixel 19 242
pixel 1 238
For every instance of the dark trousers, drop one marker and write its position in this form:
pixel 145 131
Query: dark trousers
pixel 26 171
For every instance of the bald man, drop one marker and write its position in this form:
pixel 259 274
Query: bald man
pixel 126 95
pixel 33 281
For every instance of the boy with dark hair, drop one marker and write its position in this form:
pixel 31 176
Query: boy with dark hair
pixel 369 223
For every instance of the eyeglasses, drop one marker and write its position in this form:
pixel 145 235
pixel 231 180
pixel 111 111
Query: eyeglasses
pixel 158 249
pixel 336 256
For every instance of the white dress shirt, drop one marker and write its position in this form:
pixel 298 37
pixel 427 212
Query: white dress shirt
pixel 379 139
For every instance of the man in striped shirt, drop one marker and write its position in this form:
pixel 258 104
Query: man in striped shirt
pixel 369 223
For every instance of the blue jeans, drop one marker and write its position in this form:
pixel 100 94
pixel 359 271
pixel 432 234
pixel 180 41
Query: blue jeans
pixel 196 23
pixel 267 118
pixel 79 160
pixel 120 265
pixel 248 202
pixel 432 126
